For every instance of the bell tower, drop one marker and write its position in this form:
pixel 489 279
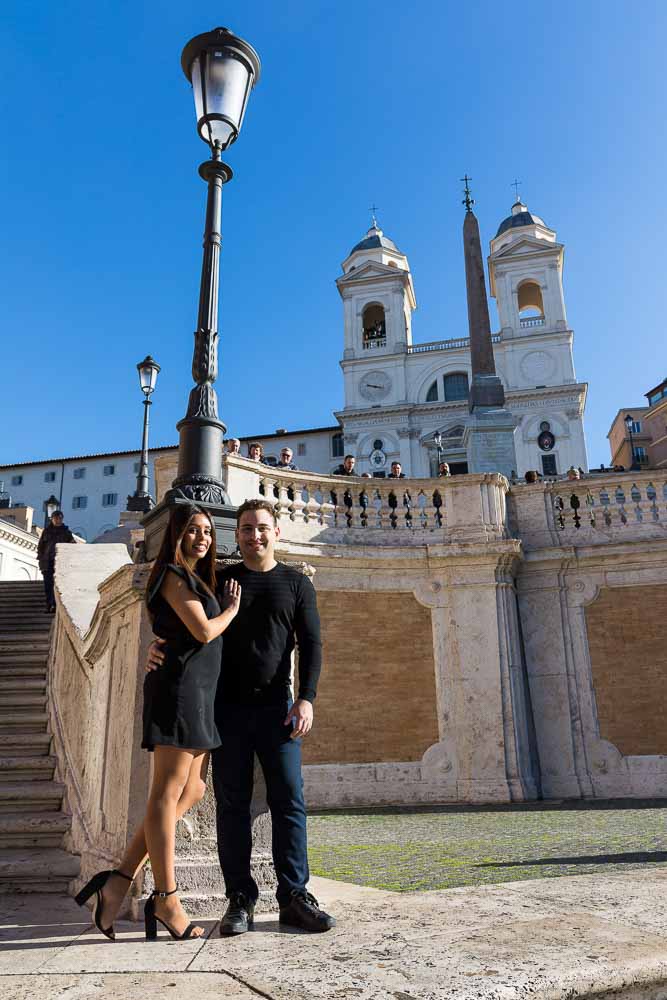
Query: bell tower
pixel 526 272
pixel 378 298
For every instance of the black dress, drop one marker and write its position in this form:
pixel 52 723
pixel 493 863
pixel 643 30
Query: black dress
pixel 179 696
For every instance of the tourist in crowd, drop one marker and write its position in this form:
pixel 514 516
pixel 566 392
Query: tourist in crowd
pixel 55 533
pixel 179 726
pixel 573 473
pixel 255 452
pixel 366 475
pixel 531 476
pixel 233 446
pixel 347 468
pixel 443 470
pixel 396 471
pixel 285 464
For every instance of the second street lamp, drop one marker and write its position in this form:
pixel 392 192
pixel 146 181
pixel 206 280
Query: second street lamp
pixel 222 69
pixel 634 465
pixel 141 500
pixel 437 441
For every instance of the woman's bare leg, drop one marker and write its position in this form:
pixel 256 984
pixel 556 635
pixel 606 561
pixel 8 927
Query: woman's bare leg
pixel 136 852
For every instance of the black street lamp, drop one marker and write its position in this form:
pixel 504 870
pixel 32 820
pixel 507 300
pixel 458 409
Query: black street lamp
pixel 141 500
pixel 50 506
pixel 222 69
pixel 437 441
pixel 634 465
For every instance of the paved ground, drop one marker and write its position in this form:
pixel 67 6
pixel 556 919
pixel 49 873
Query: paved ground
pixel 552 939
pixel 441 848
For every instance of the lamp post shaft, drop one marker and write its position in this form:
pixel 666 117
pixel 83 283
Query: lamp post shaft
pixel 201 430
pixel 142 478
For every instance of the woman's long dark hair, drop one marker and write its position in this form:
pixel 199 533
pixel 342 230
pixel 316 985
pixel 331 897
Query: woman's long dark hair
pixel 171 548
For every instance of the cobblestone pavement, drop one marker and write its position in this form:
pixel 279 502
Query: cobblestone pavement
pixel 411 850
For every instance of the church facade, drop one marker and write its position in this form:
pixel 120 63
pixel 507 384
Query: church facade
pixel 399 396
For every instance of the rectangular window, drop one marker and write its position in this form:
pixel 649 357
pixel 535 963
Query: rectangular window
pixel 636 427
pixel 17 480
pixel 109 499
pixel 78 503
pixel 456 386
pixel 640 453
pixel 49 477
pixel 301 448
pixel 109 470
pixel 337 446
pixel 79 473
pixel 549 465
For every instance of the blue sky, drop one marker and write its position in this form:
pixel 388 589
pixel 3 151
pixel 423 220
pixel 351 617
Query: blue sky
pixel 381 102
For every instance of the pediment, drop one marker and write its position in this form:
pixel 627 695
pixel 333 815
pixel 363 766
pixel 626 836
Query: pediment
pixel 371 269
pixel 527 246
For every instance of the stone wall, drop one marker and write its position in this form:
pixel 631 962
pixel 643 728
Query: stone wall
pixel 378 700
pixel 626 641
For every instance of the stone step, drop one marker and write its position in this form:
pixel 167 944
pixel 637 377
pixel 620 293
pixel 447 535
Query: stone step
pixel 33 829
pixel 19 627
pixel 21 683
pixel 25 744
pixel 32 670
pixel 33 643
pixel 22 655
pixel 22 721
pixel 30 797
pixel 34 870
pixel 26 767
pixel 23 699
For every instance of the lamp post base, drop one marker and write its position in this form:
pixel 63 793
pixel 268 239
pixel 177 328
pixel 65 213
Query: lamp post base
pixel 140 502
pixel 156 520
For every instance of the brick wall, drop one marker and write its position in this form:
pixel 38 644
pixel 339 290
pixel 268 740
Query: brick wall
pixel 376 700
pixel 626 639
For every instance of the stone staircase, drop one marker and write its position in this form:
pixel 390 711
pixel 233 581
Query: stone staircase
pixel 32 821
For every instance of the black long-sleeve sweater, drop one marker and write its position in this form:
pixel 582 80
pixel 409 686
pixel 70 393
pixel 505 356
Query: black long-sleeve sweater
pixel 277 607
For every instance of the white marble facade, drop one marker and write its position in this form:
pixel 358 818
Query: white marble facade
pixel 399 394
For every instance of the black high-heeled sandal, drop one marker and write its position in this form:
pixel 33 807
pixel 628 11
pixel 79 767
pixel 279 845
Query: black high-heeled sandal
pixel 151 919
pixel 96 885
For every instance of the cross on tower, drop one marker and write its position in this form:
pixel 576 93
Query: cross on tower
pixel 467 201
pixel 373 210
pixel 515 184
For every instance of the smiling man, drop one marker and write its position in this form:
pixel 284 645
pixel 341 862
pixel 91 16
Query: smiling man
pixel 254 715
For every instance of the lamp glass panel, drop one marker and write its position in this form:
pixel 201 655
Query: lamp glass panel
pixel 227 85
pixel 148 377
pixel 195 74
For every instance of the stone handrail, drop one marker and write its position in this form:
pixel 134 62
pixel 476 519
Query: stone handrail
pixel 596 509
pixel 374 511
pixel 453 344
pixel 96 679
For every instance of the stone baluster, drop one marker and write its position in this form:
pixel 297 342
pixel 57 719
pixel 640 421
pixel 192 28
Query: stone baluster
pixel 284 500
pixel 297 505
pixel 327 508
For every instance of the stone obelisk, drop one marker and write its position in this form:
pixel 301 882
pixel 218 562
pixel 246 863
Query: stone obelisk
pixel 489 433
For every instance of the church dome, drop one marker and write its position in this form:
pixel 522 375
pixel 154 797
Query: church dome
pixel 520 217
pixel 375 240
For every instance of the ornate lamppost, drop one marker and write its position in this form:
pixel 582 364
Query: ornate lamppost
pixel 141 500
pixel 49 507
pixel 222 69
pixel 634 465
pixel 437 441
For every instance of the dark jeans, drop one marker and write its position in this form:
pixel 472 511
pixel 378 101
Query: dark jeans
pixel 48 575
pixel 247 730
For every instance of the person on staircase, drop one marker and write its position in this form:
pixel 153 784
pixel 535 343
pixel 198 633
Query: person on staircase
pixel 179 726
pixel 55 533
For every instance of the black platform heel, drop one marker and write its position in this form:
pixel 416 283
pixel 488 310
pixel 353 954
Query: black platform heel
pixel 151 919
pixel 96 885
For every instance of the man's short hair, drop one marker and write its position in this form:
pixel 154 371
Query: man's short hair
pixel 57 513
pixel 349 456
pixel 395 463
pixel 256 505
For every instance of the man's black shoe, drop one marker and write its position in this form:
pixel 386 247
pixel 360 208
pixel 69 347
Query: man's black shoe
pixel 238 916
pixel 304 911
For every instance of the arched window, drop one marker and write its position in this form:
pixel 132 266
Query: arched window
pixel 337 446
pixel 529 296
pixel 375 331
pixel 432 394
pixel 456 386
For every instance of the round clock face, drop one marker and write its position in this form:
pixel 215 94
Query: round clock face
pixel 374 385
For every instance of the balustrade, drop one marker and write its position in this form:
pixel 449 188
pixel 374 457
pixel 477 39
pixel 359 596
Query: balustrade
pixel 624 503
